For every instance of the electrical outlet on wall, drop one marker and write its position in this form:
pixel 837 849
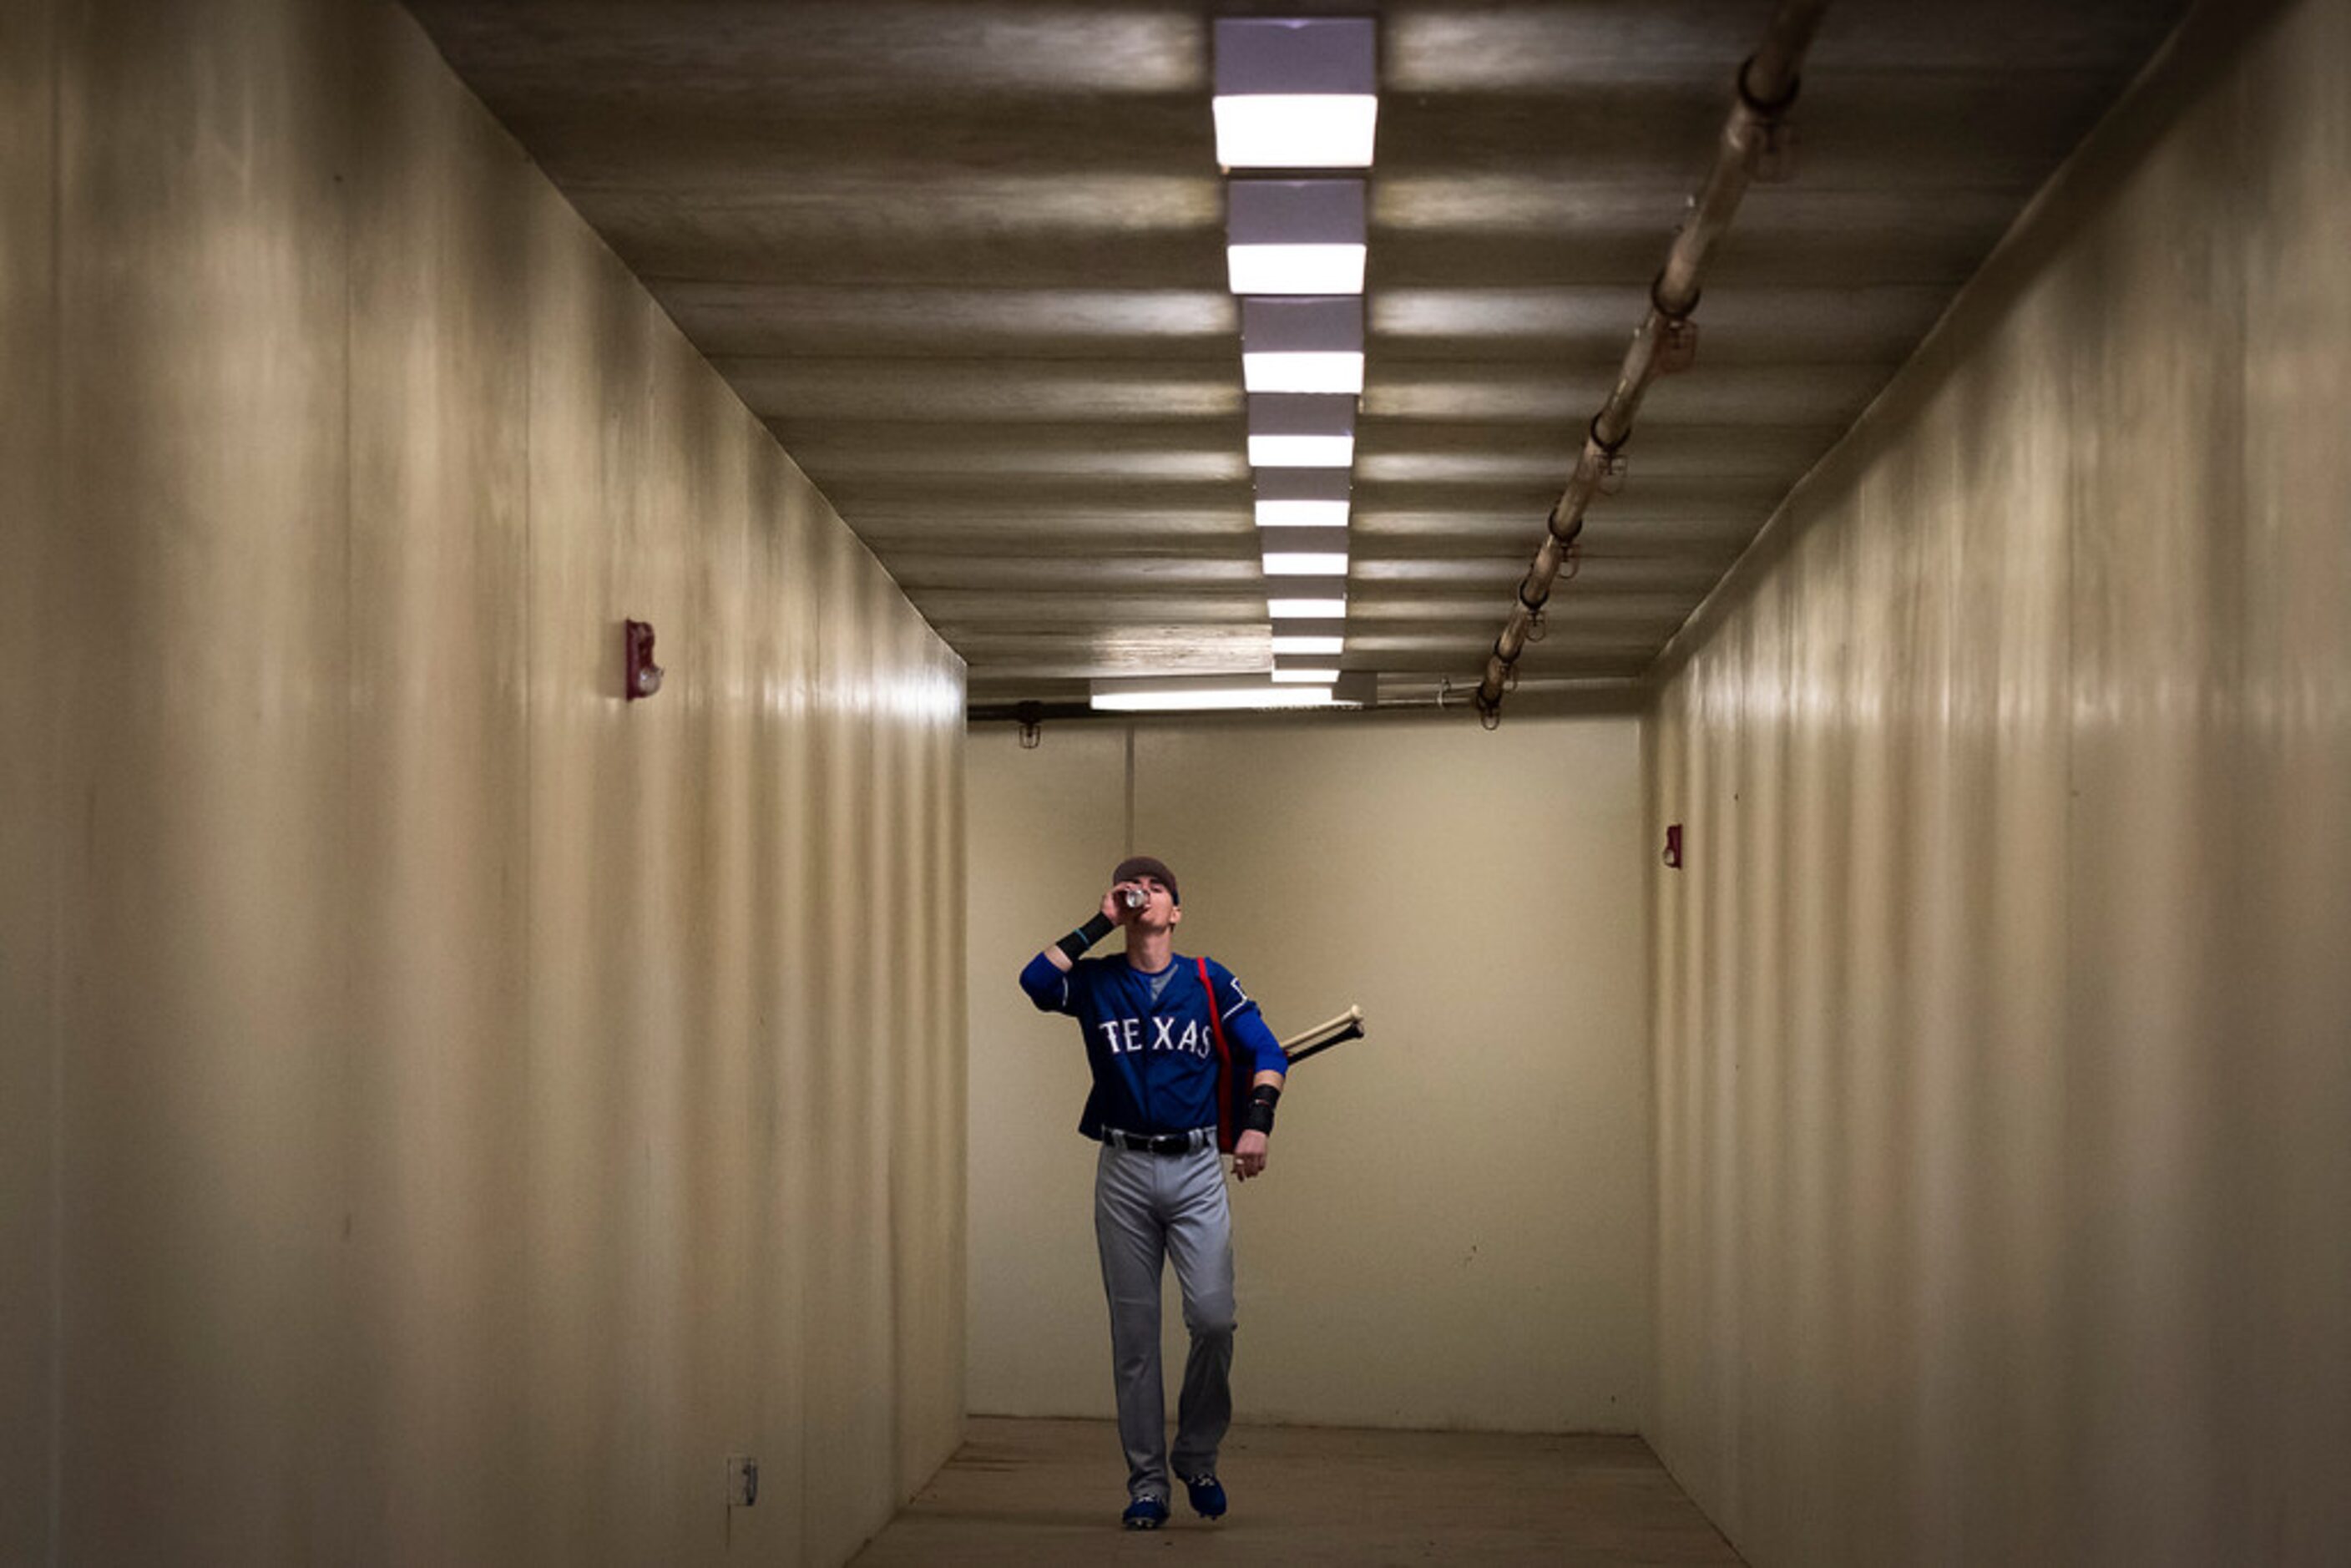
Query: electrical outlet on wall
pixel 742 1481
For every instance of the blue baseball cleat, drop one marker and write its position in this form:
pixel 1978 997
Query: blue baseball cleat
pixel 1145 1513
pixel 1208 1494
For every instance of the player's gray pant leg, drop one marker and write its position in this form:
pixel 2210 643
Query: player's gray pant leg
pixel 1126 1232
pixel 1147 1207
pixel 1201 1239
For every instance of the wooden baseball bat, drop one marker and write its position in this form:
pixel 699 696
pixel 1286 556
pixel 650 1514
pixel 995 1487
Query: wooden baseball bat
pixel 1347 1026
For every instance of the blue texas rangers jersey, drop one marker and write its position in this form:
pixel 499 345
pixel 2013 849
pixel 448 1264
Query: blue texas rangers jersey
pixel 1153 1050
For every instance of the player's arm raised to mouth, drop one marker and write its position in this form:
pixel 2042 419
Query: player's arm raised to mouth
pixel 1044 978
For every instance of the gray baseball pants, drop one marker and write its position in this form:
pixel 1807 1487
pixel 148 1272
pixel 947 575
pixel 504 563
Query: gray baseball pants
pixel 1148 1205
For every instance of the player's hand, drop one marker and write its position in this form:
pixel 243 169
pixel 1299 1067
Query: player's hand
pixel 1115 908
pixel 1248 1155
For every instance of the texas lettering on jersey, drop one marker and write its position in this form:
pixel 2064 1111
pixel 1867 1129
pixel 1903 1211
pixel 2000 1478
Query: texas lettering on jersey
pixel 1123 1037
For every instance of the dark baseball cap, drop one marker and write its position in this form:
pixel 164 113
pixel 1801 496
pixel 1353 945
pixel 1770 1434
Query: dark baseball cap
pixel 1135 866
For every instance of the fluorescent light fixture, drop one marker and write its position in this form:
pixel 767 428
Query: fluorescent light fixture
pixel 1302 451
pixel 1317 608
pixel 1302 497
pixel 1297 131
pixel 1303 345
pixel 1301 514
pixel 1296 93
pixel 1302 372
pixel 1297 643
pixel 1295 236
pixel 1295 268
pixel 1288 430
pixel 1305 563
pixel 1209 692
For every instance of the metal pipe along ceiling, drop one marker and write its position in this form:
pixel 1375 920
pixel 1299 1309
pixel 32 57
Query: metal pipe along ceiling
pixel 1752 146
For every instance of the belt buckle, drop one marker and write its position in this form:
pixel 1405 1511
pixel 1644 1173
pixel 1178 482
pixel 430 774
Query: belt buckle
pixel 1150 1143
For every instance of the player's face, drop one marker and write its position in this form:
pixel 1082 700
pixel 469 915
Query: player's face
pixel 1161 908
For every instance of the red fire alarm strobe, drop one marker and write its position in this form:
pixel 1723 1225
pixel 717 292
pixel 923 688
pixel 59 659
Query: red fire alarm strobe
pixel 644 675
pixel 1673 856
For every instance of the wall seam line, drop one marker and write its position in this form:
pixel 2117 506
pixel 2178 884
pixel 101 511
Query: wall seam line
pixel 527 1007
pixel 56 725
pixel 345 188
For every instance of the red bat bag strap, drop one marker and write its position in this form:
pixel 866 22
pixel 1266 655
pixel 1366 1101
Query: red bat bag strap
pixel 1229 1094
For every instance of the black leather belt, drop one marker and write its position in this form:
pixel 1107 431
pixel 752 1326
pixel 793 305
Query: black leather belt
pixel 1160 1143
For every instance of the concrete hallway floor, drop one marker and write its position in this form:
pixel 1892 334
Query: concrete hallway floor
pixel 1046 1493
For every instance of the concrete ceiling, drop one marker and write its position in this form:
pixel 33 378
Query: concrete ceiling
pixel 965 257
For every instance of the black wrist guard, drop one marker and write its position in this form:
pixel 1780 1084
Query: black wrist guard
pixel 1258 1115
pixel 1076 943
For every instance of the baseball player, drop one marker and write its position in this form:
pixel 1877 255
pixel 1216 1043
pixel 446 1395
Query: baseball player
pixel 1183 1068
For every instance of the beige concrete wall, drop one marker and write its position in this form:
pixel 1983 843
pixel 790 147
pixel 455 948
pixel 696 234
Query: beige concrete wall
pixel 2004 1103
pixel 1456 1228
pixel 445 1110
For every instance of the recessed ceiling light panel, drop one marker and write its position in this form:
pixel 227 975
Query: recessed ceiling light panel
pixel 1294 431
pixel 1305 563
pixel 1296 93
pixel 1302 372
pixel 1300 514
pixel 1295 268
pixel 1302 451
pixel 1206 694
pixel 1281 130
pixel 1302 497
pixel 1303 345
pixel 1333 608
pixel 1295 236
pixel 1307 644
